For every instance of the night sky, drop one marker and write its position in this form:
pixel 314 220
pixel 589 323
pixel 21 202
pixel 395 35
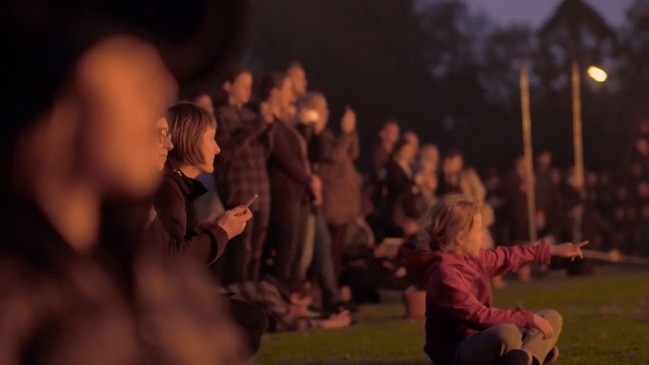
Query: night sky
pixel 534 12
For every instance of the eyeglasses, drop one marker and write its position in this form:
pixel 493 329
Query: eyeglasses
pixel 164 136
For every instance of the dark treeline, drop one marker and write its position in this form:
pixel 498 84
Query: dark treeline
pixel 451 74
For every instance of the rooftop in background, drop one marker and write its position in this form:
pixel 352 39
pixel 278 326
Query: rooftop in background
pixel 534 12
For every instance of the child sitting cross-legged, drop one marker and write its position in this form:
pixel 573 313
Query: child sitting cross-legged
pixel 462 325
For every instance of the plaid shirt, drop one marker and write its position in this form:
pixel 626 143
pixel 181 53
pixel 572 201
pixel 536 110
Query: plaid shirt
pixel 268 296
pixel 240 170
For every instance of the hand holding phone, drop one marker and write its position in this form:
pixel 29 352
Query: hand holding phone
pixel 249 203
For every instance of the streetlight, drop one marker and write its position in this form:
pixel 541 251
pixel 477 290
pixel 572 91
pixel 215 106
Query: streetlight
pixel 598 75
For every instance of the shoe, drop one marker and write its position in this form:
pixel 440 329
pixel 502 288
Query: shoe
pixel 552 357
pixel 516 357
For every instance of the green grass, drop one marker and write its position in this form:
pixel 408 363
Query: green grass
pixel 606 321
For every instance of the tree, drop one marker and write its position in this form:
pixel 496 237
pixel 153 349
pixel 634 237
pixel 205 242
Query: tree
pixel 363 53
pixel 575 32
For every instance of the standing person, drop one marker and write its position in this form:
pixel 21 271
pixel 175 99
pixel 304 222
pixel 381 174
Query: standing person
pixel 516 195
pixel 457 178
pixel 241 173
pixel 204 100
pixel 388 136
pixel 328 159
pixel 429 158
pixel 299 84
pixel 292 185
pixel 79 133
pixel 340 180
pixel 400 177
pixel 462 325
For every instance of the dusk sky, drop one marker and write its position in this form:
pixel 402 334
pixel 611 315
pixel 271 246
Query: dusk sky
pixel 533 12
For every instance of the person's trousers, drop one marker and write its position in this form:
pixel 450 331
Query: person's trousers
pixel 242 257
pixel 338 236
pixel 486 347
pixel 308 236
pixel 322 265
pixel 287 222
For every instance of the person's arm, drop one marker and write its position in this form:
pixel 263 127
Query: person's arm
pixel 501 260
pixel 335 149
pixel 449 292
pixel 206 245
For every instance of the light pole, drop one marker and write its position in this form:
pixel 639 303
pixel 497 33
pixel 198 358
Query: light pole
pixel 598 75
pixel 526 118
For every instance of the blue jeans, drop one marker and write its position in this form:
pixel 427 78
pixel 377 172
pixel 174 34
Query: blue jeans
pixel 322 265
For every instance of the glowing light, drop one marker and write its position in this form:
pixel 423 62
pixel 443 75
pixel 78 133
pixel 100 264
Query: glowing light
pixel 597 74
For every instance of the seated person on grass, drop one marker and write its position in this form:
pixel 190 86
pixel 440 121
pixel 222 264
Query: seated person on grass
pixel 287 311
pixel 462 325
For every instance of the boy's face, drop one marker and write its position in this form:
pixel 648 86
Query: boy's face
pixel 473 240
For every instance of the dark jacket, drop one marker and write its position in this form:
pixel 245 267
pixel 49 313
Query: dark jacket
pixel 288 167
pixel 332 159
pixel 60 306
pixel 340 179
pixel 173 204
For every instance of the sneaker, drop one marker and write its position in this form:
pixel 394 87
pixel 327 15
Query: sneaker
pixel 552 357
pixel 516 357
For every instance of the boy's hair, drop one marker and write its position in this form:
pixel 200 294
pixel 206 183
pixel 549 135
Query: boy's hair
pixel 451 217
pixel 187 123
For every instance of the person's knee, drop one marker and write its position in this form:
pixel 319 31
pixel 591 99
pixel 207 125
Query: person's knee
pixel 555 319
pixel 509 336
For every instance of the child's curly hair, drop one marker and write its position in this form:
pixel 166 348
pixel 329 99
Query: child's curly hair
pixel 447 220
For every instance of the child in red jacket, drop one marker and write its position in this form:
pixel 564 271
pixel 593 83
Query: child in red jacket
pixel 462 325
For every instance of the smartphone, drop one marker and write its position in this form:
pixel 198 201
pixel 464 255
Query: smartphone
pixel 249 203
pixel 252 200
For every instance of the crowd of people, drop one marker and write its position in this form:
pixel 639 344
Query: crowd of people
pixel 104 231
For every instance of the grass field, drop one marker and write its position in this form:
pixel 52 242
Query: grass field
pixel 606 321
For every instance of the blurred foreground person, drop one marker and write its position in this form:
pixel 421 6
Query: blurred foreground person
pixel 462 325
pixel 80 134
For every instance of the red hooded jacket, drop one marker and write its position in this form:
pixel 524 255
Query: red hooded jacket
pixel 459 301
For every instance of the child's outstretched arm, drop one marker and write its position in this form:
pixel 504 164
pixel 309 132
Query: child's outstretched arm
pixel 502 260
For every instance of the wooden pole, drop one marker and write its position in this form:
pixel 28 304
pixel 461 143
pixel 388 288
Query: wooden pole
pixel 527 144
pixel 576 125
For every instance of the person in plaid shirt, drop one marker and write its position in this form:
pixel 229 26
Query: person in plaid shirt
pixel 241 173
